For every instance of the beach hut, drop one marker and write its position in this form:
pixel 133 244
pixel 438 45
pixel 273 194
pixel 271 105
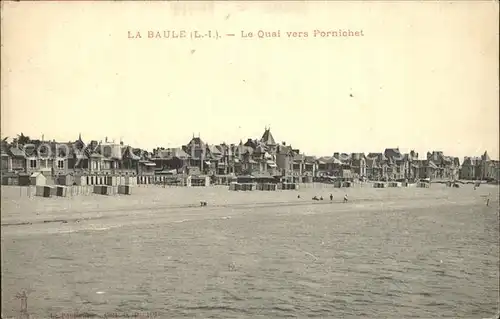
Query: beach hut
pixel 48 191
pixel 234 186
pixel 347 184
pixel 393 184
pixel 79 180
pixel 120 180
pixel 61 191
pixel 53 190
pixel 37 179
pixel 44 191
pixel 266 187
pixel 264 183
pixel 245 183
pixel 379 185
pixel 111 180
pixel 106 190
pixel 423 185
pixel 98 189
pixel 130 180
pixel 39 190
pixel 248 187
pixel 125 189
pixel 65 179
pixel 289 186
pixel 9 179
pixel 200 181
pixel 23 179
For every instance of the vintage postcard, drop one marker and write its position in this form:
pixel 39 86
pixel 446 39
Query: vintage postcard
pixel 250 159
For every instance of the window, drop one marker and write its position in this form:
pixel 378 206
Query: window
pixel 60 164
pixel 33 163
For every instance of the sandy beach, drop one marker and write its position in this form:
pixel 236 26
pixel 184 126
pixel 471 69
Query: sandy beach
pixel 151 200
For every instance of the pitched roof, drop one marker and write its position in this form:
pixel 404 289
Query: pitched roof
pixel 196 142
pixel 251 143
pixel 345 158
pixel 310 159
pixel 357 156
pixel 214 149
pixel 171 153
pixel 471 161
pixel 431 164
pixel 298 157
pixel 378 156
pixel 267 137
pixel 393 153
pixel 284 149
pixel 16 152
pixel 329 160
pixel 448 159
pixel 128 152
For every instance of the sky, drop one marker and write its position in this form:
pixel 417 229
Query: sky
pixel 423 76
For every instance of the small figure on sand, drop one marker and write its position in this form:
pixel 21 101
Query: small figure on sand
pixel 24 303
pixel 315 198
pixel 298 196
pixel 321 198
pixel 202 203
pixel 232 266
pixel 331 196
pixel 345 198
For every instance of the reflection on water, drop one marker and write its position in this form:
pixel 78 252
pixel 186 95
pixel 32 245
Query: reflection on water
pixel 397 258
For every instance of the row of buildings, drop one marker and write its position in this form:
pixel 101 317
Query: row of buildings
pixel 257 157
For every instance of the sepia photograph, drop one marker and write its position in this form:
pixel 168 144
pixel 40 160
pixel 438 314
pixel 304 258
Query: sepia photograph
pixel 232 159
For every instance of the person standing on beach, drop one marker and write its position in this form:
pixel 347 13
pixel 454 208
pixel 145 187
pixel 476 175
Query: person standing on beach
pixel 345 198
pixel 331 196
